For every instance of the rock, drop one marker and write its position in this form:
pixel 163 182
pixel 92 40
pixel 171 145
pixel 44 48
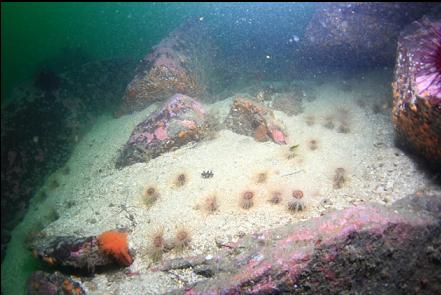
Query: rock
pixel 251 118
pixel 42 283
pixel 71 252
pixel 41 126
pixel 178 64
pixel 417 89
pixel 357 34
pixel 362 249
pixel 179 121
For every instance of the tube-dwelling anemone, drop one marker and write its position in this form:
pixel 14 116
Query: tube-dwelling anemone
pixel 246 200
pixel 181 179
pixel 182 238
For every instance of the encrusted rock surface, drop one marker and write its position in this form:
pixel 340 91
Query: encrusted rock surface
pixel 369 249
pixel 417 89
pixel 42 283
pixel 180 63
pixel 358 33
pixel 179 121
pixel 251 118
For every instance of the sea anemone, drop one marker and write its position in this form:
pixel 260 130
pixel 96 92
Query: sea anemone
pixel 246 200
pixel 261 177
pixel 151 195
pixel 297 194
pixel 275 198
pixel 297 203
pixel 329 122
pixel 428 59
pixel 313 144
pixel 182 239
pixel 181 180
pixel 343 117
pixel 211 205
pixel 115 243
pixel 157 247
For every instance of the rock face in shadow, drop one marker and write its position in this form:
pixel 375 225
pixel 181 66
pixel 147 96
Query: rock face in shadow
pixel 369 249
pixel 417 89
pixel 44 121
pixel 179 121
pixel 358 33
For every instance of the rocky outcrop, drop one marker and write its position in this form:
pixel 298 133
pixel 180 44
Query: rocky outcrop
pixel 179 121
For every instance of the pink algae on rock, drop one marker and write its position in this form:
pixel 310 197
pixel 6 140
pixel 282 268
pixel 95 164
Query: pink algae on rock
pixel 278 136
pixel 161 133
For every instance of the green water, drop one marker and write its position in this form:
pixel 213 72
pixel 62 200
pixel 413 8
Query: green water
pixel 34 33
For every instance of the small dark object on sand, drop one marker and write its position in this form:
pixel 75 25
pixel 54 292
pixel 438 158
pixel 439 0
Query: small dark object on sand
pixel 207 174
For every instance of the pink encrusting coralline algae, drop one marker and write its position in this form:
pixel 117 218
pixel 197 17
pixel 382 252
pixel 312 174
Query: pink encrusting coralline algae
pixel 277 135
pixel 161 133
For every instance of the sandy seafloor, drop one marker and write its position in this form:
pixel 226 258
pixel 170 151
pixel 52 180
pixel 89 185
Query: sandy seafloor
pixel 89 198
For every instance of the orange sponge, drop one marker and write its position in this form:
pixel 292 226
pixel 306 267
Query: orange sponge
pixel 115 243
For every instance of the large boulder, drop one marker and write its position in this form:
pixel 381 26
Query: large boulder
pixel 248 117
pixel 366 249
pixel 180 63
pixel 179 121
pixel 417 89
pixel 358 33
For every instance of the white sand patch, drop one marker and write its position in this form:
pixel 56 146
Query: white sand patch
pixel 96 197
